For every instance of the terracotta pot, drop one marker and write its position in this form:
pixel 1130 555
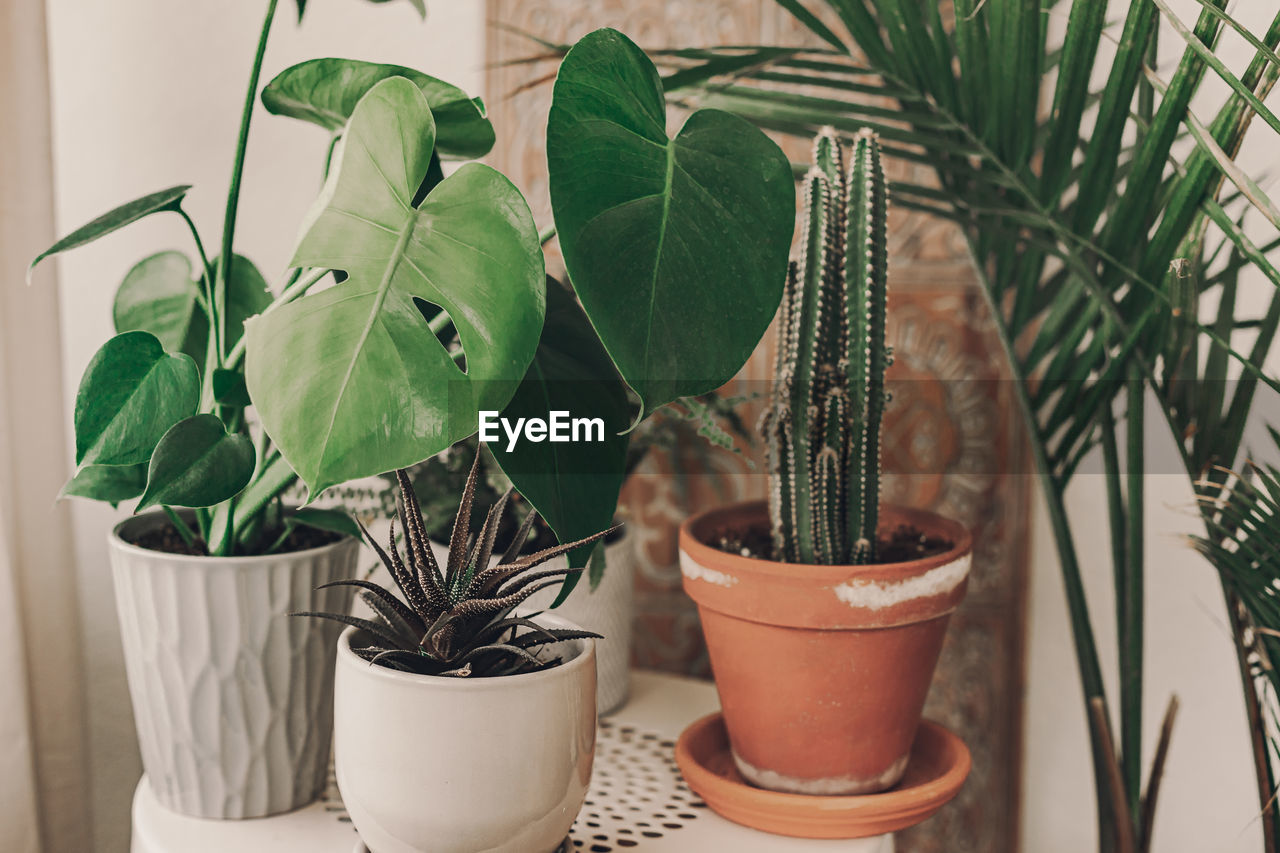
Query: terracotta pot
pixel 822 670
pixel 232 696
pixel 439 764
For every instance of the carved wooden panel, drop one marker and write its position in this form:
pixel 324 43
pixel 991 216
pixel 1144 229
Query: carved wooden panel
pixel 952 441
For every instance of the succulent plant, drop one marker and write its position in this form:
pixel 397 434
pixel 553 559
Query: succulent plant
pixel 457 619
pixel 822 426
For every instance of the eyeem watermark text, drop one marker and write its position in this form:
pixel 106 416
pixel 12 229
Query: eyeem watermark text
pixel 558 426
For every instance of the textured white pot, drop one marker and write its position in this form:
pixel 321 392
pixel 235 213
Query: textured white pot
pixel 232 696
pixel 438 764
pixel 609 610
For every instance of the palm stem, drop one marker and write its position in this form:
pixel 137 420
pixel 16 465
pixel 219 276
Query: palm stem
pixel 1082 634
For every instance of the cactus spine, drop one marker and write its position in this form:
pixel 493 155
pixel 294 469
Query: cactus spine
pixel 822 427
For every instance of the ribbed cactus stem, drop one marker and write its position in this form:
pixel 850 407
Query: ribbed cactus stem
pixel 822 429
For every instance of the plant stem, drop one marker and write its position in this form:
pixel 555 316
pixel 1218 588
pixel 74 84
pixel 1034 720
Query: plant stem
pixel 233 194
pixel 290 293
pixel 207 276
pixel 188 536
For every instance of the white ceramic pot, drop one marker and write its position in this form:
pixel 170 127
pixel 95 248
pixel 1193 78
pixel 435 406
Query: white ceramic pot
pixel 609 610
pixel 439 764
pixel 232 696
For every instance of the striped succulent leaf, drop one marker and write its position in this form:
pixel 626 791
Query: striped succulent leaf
pixel 457 620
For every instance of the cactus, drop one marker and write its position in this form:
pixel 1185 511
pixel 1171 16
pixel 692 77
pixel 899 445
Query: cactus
pixel 822 427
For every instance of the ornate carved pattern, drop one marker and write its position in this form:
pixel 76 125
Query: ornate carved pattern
pixel 951 440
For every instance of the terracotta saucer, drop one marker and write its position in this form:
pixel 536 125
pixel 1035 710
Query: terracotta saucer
pixel 937 768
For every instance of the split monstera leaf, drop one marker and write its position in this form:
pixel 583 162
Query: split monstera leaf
pixel 350 381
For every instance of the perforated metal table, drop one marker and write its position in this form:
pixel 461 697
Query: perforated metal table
pixel 637 800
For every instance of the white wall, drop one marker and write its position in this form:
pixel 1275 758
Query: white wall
pixel 147 94
pixel 1208 802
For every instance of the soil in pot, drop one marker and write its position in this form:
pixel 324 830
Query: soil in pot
pixel 166 538
pixel 902 544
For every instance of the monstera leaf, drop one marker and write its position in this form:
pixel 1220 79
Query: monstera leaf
pixel 326 91
pixel 351 382
pixel 574 485
pixel 676 247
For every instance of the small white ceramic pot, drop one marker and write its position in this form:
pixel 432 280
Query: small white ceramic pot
pixel 609 610
pixel 232 696
pixel 439 764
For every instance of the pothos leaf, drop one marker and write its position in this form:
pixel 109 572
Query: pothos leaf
pixel 114 220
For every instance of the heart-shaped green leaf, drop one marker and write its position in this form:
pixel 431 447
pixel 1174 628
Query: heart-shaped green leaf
pixel 197 463
pixel 574 485
pixel 325 92
pixel 350 382
pixel 132 392
pixel 114 220
pixel 110 483
pixel 158 295
pixel 676 247
pixel 332 520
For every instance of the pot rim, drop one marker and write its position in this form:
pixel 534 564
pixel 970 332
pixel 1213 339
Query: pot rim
pixel 118 542
pixel 795 595
pixel 585 657
pixel 929 521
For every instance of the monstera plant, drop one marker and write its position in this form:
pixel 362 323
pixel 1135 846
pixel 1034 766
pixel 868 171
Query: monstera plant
pixel 675 247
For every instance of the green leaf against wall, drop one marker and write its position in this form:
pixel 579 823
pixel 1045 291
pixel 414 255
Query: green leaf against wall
pixel 198 463
pixel 131 393
pixel 326 91
pixel 350 382
pixel 161 295
pixel 573 485
pixel 115 219
pixel 110 483
pixel 676 247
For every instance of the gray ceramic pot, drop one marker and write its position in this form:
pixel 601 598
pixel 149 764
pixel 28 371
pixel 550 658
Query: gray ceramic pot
pixel 232 696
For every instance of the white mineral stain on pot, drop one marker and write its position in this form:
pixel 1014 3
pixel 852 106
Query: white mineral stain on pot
pixel 832 786
pixel 877 595
pixel 695 571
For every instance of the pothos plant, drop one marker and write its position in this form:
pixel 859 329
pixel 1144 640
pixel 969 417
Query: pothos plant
pixel 415 300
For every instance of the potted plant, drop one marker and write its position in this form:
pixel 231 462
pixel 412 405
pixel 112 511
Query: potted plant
pixel 461 726
pixel 824 613
pixel 232 700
